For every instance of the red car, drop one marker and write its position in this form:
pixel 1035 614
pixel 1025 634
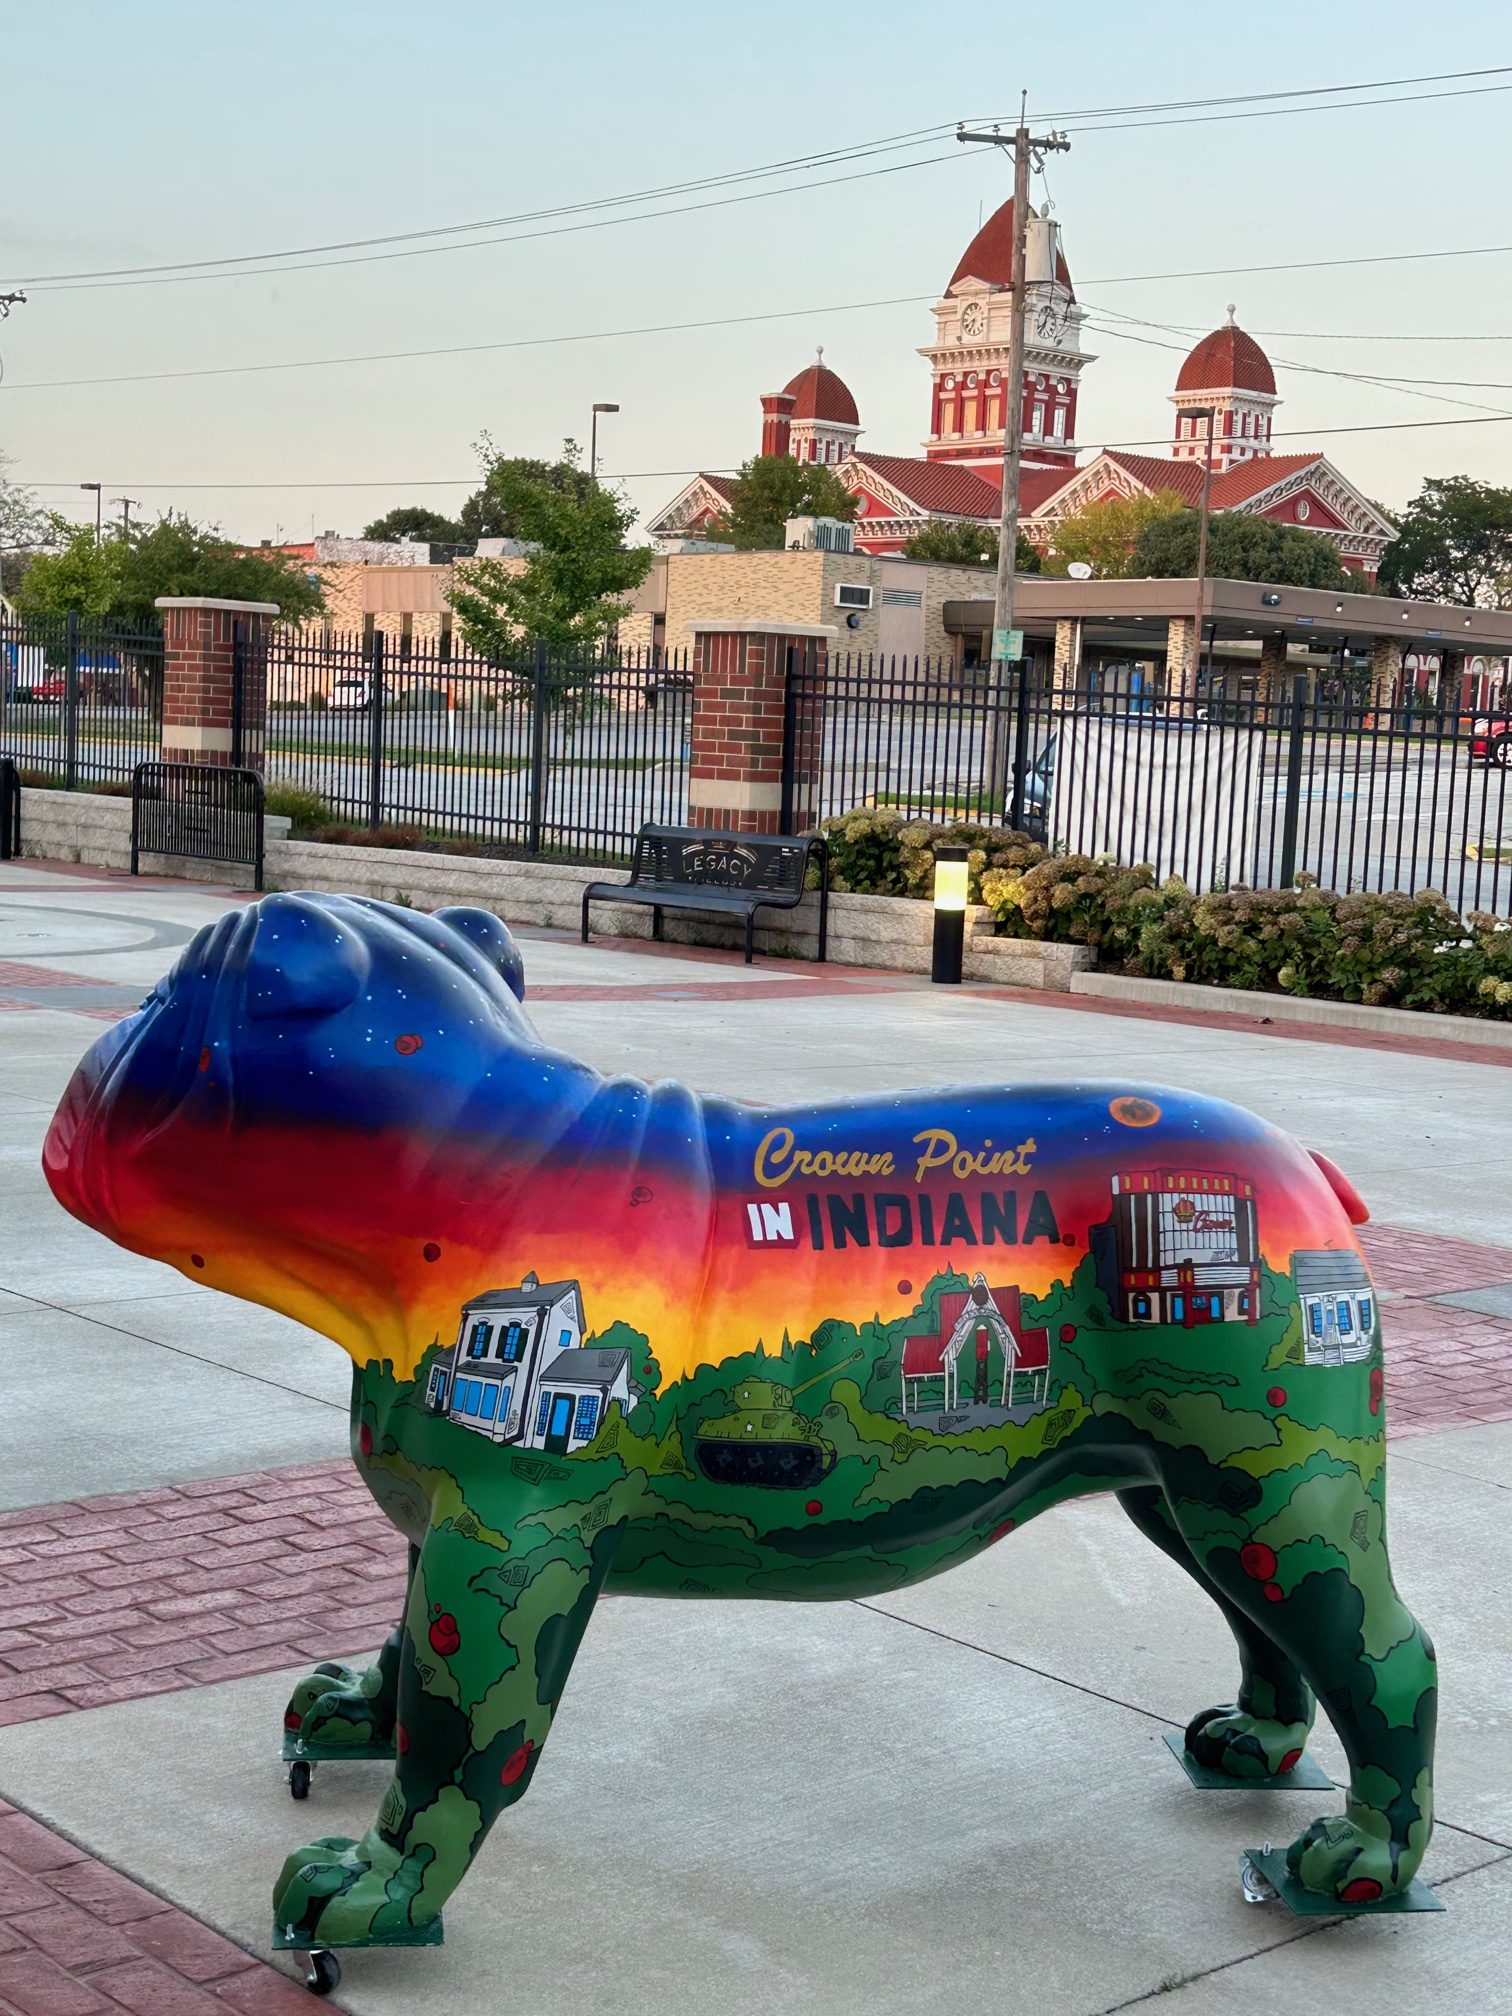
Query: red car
pixel 50 689
pixel 1491 739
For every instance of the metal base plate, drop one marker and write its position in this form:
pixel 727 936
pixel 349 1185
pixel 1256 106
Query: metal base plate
pixel 1271 1863
pixel 297 1751
pixel 1304 1776
pixel 429 1934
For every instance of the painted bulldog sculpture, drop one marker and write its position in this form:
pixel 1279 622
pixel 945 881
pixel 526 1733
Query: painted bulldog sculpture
pixel 617 1336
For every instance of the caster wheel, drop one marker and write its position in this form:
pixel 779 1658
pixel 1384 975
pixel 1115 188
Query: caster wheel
pixel 324 1973
pixel 299 1784
pixel 1255 1884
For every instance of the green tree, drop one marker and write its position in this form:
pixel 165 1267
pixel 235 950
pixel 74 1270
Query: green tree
pixel 416 521
pixel 25 529
pixel 1105 535
pixel 1454 545
pixel 567 591
pixel 770 489
pixel 959 542
pixel 122 578
pixel 1240 548
pixel 492 511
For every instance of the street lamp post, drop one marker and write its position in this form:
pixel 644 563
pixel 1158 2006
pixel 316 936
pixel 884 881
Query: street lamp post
pixel 1207 413
pixel 599 406
pixel 99 497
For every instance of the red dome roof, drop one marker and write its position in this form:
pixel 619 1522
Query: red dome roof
pixel 1227 360
pixel 989 256
pixel 819 395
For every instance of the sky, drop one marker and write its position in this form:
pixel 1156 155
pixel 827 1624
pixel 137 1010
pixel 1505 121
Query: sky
pixel 173 131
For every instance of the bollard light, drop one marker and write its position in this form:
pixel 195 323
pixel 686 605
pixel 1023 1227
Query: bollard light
pixel 950 885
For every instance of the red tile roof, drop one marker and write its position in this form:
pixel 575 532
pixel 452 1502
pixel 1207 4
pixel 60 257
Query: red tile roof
pixel 945 489
pixel 1248 479
pixel 1160 472
pixel 1227 358
pixel 989 256
pixel 725 485
pixel 819 394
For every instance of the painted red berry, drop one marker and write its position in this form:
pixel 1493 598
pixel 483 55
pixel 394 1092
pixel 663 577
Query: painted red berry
pixel 401 1739
pixel 293 1720
pixel 1363 1890
pixel 999 1532
pixel 1273 1592
pixel 1290 1761
pixel 1258 1560
pixel 1276 1397
pixel 430 1250
pixel 365 1439
pixel 905 1287
pixel 516 1765
pixel 1377 1389
pixel 198 1259
pixel 408 1045
pixel 1068 1333
pixel 813 1508
pixel 444 1635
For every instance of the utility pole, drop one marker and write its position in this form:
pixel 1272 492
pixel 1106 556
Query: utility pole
pixel 125 504
pixel 9 301
pixel 1028 150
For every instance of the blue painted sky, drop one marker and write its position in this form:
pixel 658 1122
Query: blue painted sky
pixel 177 131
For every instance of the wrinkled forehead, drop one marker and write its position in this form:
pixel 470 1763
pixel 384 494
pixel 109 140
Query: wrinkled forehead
pixel 312 954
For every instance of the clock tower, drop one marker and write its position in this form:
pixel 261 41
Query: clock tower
pixel 969 356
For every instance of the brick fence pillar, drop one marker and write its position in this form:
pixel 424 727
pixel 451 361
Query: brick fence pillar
pixel 740 677
pixel 1385 672
pixel 1068 653
pixel 200 677
pixel 1181 657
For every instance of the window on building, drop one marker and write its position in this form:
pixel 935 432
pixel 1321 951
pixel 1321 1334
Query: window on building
pixel 1244 1302
pixel 490 1400
pixel 511 1345
pixel 1315 1318
pixel 587 1417
pixel 1141 1305
pixel 1178 1308
pixel 438 1388
pixel 564 1338
pixel 994 412
pixel 1037 423
pixel 477 1343
pixel 1367 1314
pixel 1058 423
pixel 1344 1316
pixel 542 1413
pixel 473 1399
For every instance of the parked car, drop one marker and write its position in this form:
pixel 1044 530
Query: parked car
pixel 351 696
pixel 1491 739
pixel 51 689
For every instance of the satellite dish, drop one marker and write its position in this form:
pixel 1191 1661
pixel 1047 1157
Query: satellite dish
pixel 1080 570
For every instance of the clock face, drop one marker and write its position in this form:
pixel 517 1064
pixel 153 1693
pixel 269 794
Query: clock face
pixel 1048 321
pixel 973 319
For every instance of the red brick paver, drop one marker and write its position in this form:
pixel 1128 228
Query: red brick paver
pixel 77 1938
pixel 1445 1367
pixel 137 1593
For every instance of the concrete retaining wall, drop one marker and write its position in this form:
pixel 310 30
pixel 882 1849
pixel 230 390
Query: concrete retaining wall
pixel 1255 1006
pixel 88 826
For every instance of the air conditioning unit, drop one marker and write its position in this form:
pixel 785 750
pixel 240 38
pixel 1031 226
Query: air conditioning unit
pixel 818 535
pixel 852 595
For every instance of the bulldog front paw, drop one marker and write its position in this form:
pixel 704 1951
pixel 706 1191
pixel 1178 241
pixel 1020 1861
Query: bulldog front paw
pixel 347 1893
pixel 1245 1746
pixel 340 1705
pixel 1352 1860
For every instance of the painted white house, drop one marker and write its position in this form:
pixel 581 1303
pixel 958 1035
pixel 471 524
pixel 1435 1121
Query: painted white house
pixel 519 1373
pixel 1338 1307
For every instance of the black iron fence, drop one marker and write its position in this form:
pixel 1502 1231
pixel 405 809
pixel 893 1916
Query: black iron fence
pixel 81 702
pixel 532 753
pixel 1219 788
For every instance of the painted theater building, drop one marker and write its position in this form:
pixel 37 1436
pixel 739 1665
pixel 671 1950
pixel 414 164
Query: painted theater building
pixel 1186 1248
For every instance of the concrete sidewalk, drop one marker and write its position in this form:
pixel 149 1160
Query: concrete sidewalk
pixel 954 1798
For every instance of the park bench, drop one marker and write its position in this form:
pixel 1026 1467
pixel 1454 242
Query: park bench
pixel 200 812
pixel 729 874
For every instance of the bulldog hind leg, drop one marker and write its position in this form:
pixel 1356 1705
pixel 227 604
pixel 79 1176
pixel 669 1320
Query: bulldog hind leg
pixel 1264 1731
pixel 495 1615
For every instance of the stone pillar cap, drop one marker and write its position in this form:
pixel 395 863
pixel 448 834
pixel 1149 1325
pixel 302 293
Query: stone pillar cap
pixel 744 626
pixel 216 602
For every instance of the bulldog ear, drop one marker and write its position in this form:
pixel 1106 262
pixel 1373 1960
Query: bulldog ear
pixel 490 936
pixel 303 960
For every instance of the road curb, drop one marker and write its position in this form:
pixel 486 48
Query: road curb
pixel 1248 1004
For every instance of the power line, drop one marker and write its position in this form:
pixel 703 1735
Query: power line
pixel 856 150
pixel 1298 265
pixel 510 238
pixel 633 475
pixel 1289 111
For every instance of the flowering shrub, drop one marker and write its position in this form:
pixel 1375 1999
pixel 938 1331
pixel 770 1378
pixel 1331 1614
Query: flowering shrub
pixel 1386 949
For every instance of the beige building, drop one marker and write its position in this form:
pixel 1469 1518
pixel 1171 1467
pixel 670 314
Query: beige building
pixel 881 605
